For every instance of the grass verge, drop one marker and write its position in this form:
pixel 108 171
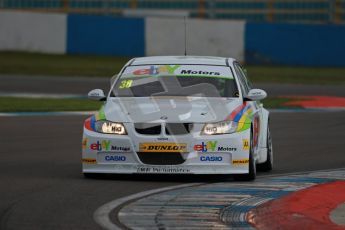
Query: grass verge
pixel 59 65
pixel 297 75
pixel 75 65
pixel 16 104
pixel 277 102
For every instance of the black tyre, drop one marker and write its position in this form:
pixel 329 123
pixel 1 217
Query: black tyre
pixel 251 175
pixel 91 175
pixel 268 165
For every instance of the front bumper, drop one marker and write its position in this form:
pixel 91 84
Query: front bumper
pixel 218 154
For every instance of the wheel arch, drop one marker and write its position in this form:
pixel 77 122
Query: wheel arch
pixel 265 119
pixel 262 145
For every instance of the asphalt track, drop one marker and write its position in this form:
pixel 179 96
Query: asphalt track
pixel 41 184
pixel 42 187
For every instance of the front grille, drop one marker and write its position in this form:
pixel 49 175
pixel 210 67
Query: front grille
pixel 148 128
pixel 178 128
pixel 161 158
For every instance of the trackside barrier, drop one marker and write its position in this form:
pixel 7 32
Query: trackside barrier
pixel 288 44
pixel 34 32
pixel 105 35
pixel 253 43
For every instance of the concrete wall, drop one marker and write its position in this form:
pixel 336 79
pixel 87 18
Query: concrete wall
pixel 36 32
pixel 204 37
pixel 253 43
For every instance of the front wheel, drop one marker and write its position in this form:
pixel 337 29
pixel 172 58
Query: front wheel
pixel 251 175
pixel 91 175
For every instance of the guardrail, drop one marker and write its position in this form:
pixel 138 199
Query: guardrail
pixel 291 11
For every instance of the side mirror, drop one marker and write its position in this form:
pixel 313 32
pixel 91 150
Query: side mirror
pixel 255 95
pixel 97 95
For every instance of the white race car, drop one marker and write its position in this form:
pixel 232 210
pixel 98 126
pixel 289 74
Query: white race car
pixel 179 115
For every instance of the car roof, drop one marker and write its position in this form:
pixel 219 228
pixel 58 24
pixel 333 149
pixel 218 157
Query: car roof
pixel 182 60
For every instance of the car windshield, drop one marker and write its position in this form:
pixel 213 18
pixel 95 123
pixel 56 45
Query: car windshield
pixel 200 81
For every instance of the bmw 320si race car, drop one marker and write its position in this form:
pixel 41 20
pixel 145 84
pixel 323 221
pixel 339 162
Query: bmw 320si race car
pixel 179 115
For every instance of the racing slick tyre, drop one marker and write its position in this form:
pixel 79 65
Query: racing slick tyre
pixel 268 165
pixel 252 166
pixel 91 175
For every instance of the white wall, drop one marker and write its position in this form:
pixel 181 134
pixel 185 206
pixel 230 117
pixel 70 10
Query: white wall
pixel 165 36
pixel 36 32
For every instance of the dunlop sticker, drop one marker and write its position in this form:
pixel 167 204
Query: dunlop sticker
pixel 89 160
pixel 162 147
pixel 240 162
pixel 245 144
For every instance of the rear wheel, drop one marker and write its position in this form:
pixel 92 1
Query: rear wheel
pixel 251 175
pixel 268 165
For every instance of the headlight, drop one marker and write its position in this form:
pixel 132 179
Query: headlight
pixel 110 127
pixel 220 128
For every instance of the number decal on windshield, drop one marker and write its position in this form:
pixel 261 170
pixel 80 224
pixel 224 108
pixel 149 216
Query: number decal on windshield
pixel 125 84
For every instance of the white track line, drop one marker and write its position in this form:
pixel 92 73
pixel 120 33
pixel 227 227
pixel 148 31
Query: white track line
pixel 101 215
pixel 299 173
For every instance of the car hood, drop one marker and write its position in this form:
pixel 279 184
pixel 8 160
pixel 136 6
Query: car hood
pixel 174 110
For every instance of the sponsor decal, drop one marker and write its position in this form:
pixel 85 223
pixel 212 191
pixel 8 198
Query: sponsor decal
pixel 206 146
pixel 243 116
pixel 119 148
pixel 155 70
pixel 152 169
pixel 212 146
pixel 115 158
pixel 89 160
pixel 162 147
pixel 84 143
pixel 125 84
pixel 100 145
pixel 226 149
pixel 162 138
pixel 177 70
pixel 240 162
pixel 105 145
pixel 193 72
pixel 211 158
pixel 245 144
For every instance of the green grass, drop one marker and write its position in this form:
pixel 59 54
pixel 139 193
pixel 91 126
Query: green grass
pixel 299 75
pixel 277 102
pixel 75 65
pixel 16 104
pixel 59 65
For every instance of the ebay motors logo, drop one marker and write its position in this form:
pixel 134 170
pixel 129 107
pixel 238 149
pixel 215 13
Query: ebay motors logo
pixel 206 146
pixel 105 145
pixel 155 70
pixel 99 146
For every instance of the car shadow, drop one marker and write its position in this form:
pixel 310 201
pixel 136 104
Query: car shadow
pixel 184 178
